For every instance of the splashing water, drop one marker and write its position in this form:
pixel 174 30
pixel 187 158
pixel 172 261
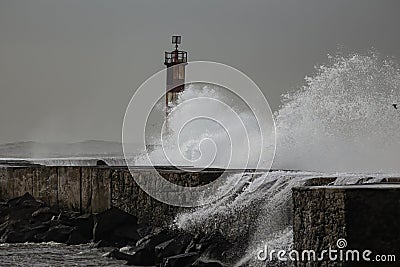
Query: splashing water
pixel 210 126
pixel 258 211
pixel 342 120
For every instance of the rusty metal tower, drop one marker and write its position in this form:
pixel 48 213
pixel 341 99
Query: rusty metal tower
pixel 176 62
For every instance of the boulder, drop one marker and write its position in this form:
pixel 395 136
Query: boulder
pixel 3 227
pixel 84 225
pixel 144 230
pixel 214 246
pixel 112 225
pixel 20 210
pixel 104 244
pixel 216 251
pixel 181 260
pixel 59 234
pixel 194 243
pixel 21 219
pixel 142 257
pixel 173 246
pixel 153 248
pixel 116 254
pixel 166 249
pixel 212 239
pixel 43 214
pixel 133 256
pixel 152 240
pixel 21 233
pixel 27 200
pixel 207 264
pixel 76 238
pixel 127 232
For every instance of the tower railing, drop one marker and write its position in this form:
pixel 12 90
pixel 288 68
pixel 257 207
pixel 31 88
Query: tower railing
pixel 175 57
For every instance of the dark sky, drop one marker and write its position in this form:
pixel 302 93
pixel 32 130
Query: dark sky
pixel 69 67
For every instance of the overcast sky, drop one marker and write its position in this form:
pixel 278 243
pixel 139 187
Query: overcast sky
pixel 68 68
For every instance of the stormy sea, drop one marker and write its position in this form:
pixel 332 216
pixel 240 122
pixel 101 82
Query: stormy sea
pixel 341 124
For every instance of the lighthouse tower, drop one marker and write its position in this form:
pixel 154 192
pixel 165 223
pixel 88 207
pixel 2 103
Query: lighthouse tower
pixel 176 62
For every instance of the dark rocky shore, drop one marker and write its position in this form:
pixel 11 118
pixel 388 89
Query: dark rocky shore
pixel 24 219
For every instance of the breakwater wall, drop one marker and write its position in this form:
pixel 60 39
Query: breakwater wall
pixel 366 216
pixel 96 188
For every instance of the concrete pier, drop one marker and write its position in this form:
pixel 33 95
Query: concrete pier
pixel 367 216
pixel 97 188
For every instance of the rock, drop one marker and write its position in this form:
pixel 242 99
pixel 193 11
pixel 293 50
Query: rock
pixel 23 219
pixel 115 225
pixel 101 163
pixel 152 240
pixel 43 214
pixel 112 218
pixel 144 253
pixel 142 257
pixel 76 238
pixel 84 226
pixel 104 244
pixel 207 264
pixel 211 246
pixel 166 249
pixel 20 233
pixel 67 217
pixel 133 256
pixel 27 200
pixel 212 239
pixel 144 230
pixel 214 246
pixel 3 208
pixel 116 254
pixel 181 260
pixel 194 243
pixel 40 211
pixel 127 232
pixel 59 234
pixel 3 228
pixel 127 249
pixel 216 250
pixel 17 224
pixel 172 247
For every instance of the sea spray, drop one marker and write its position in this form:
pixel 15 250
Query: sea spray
pixel 343 118
pixel 210 126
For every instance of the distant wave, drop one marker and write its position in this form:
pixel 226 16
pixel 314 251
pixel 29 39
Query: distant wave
pixel 67 161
